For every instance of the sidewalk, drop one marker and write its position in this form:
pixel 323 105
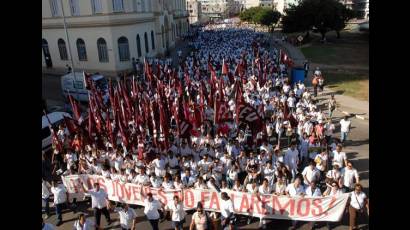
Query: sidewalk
pixel 296 55
pixel 346 105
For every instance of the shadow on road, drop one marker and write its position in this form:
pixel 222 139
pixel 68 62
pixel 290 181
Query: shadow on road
pixel 358 143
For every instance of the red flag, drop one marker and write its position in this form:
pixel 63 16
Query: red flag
pixel 184 128
pixel 75 107
pixel 134 92
pixel 70 124
pixel 110 131
pixel 123 132
pixel 56 140
pixel 224 67
pixel 249 115
pixel 91 124
pixel 164 124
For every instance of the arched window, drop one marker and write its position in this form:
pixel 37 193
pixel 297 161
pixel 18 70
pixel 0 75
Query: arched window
pixel 63 49
pixel 149 6
pixel 102 50
pixel 44 45
pixel 55 9
pixel 118 5
pixel 82 52
pixel 123 49
pixel 97 6
pixel 162 36
pixel 146 42
pixel 75 7
pixel 138 45
pixel 143 6
pixel 152 40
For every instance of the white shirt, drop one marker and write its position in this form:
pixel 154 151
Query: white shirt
pixel 226 208
pixel 178 212
pixel 142 179
pixel 291 102
pixel 88 225
pixel 60 195
pixel 205 164
pixel 45 192
pixel 291 158
pixel 311 175
pixel 344 125
pixel 126 217
pixel 265 191
pixel 339 158
pixel 98 199
pixel 71 158
pixel 151 209
pixel 168 185
pixel 295 191
pixel 357 200
pixel 329 128
pixel 310 193
pixel 320 165
pixel 172 162
pixel 333 174
pixel 348 177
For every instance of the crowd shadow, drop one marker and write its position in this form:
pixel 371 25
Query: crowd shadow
pixel 357 142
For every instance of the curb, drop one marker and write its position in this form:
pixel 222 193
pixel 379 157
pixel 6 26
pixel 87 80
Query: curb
pixel 356 116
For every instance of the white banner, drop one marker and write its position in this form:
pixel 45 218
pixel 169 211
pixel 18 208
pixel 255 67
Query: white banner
pixel 329 208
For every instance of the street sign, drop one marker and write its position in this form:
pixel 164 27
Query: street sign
pixel 300 38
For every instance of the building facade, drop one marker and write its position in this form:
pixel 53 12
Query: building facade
pixel 104 35
pixel 348 3
pixel 219 9
pixel 195 11
pixel 362 8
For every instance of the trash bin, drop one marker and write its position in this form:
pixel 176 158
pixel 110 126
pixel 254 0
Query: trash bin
pixel 298 74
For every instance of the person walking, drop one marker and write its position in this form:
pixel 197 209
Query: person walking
pixel 177 213
pixel 227 212
pixel 151 209
pixel 345 124
pixel 359 205
pixel 306 67
pixel 200 219
pixel 331 105
pixel 60 199
pixel 99 202
pixel 45 194
pixel 128 217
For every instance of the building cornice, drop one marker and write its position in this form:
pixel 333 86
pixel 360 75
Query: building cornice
pixel 97 23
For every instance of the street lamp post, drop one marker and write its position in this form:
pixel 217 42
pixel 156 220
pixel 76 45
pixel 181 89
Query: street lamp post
pixel 68 40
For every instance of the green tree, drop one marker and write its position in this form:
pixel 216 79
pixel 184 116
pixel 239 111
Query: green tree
pixel 260 15
pixel 320 15
pixel 267 17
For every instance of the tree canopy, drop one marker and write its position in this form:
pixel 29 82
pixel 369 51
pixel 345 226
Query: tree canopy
pixel 261 15
pixel 319 15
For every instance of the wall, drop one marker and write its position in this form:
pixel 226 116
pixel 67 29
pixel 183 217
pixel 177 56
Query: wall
pixel 90 37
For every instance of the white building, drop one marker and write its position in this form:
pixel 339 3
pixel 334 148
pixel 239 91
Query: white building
pixel 348 3
pixel 104 35
pixel 282 5
pixel 362 8
pixel 195 11
pixel 219 9
pixel 250 3
pixel 263 3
